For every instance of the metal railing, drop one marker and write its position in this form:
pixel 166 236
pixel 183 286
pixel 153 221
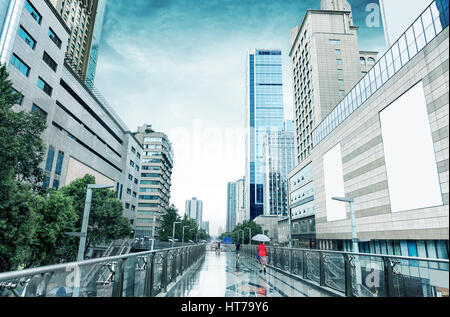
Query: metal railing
pixel 143 274
pixel 361 274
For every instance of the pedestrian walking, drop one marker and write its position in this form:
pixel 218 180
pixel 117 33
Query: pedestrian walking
pixel 262 256
pixel 238 249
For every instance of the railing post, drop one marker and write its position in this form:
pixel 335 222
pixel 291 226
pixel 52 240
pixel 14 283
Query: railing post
pixel 131 275
pixel 181 260
pixel 305 265
pixel 148 286
pixel 174 266
pixel 348 276
pixel 291 261
pixel 388 277
pixel 164 271
pixel 118 279
pixel 322 268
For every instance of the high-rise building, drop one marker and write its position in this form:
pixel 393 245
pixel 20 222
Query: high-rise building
pixel 155 179
pixel 205 226
pixel 385 146
pixel 279 159
pixel 326 65
pixel 231 206
pixel 85 21
pixel 265 112
pixel 194 210
pixel 84 135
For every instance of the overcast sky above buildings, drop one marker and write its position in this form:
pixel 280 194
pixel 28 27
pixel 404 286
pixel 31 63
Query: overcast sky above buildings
pixel 180 66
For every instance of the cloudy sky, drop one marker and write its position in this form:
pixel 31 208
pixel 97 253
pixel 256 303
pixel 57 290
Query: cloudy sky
pixel 179 65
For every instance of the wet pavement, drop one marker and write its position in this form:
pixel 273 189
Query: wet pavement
pixel 226 276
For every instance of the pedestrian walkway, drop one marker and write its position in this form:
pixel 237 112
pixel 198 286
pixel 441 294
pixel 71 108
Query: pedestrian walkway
pixel 225 276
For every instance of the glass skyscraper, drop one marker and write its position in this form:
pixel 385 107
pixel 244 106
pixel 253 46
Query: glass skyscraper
pixel 265 113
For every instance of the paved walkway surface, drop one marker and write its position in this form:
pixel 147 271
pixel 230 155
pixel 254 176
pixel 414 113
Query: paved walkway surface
pixel 226 276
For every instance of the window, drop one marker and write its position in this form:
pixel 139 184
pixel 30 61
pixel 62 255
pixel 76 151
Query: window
pixel 42 113
pixel 59 163
pixel 44 86
pixel 135 180
pixel 54 37
pixel 370 61
pixel 34 13
pixel 19 97
pixel 49 61
pixel 56 183
pixel 130 177
pixel 127 206
pixel 362 60
pixel 20 65
pixel 133 149
pixel 335 42
pixel 131 163
pixel 50 157
pixel 128 191
pixel 46 182
pixel 340 72
pixel 27 37
pixel 342 93
pixel 338 52
pixel 341 82
pixel 339 61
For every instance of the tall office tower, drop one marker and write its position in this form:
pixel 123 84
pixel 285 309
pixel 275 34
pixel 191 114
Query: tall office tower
pixel 155 182
pixel 231 206
pixel 194 210
pixel 205 226
pixel 279 160
pixel 85 21
pixel 240 201
pixel 265 112
pixel 326 65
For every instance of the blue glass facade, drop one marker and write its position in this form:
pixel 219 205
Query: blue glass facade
pixel 265 114
pixel 90 75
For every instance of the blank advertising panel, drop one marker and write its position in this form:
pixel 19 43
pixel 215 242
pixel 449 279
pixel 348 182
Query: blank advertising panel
pixel 334 184
pixel 408 148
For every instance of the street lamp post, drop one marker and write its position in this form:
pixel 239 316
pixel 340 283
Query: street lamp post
pixel 242 235
pixel 355 247
pixel 84 227
pixel 173 232
pixel 182 239
pixel 85 223
pixel 250 235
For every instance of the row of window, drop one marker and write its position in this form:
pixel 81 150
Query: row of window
pixel 424 29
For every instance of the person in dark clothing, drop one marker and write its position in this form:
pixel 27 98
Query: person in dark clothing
pixel 238 249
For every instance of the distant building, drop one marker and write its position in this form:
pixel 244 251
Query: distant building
pixel 265 112
pixel 155 179
pixel 279 160
pixel 205 226
pixel 194 210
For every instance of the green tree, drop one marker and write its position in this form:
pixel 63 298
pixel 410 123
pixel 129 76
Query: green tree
pixel 169 217
pixel 21 148
pixel 18 225
pixel 255 229
pixel 106 222
pixel 21 152
pixel 51 244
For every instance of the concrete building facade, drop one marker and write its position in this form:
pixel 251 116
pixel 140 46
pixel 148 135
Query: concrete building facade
pixel 386 146
pixel 326 65
pixel 155 179
pixel 84 18
pixel 84 135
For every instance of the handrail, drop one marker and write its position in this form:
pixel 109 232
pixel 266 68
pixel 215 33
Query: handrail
pixel 58 267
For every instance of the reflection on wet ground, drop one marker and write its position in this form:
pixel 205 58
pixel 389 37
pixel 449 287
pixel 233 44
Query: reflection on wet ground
pixel 225 275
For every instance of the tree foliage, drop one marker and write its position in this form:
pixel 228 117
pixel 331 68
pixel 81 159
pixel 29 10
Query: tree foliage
pixel 106 221
pixel 237 231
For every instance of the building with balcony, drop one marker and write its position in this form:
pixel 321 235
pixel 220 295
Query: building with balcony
pixel 155 179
